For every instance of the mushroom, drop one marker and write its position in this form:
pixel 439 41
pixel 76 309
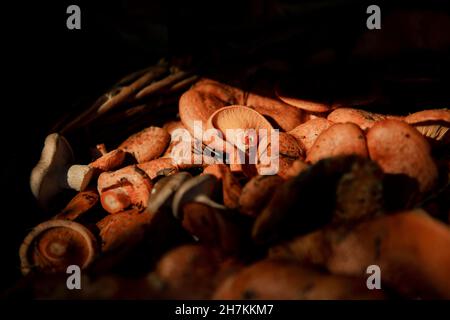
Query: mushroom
pixel 81 203
pixel 49 176
pixel 147 144
pixel 288 151
pixel 198 189
pixel 203 99
pixel 164 190
pixel 282 115
pixel 364 119
pixel 307 133
pixel 79 176
pixel 309 98
pixel 297 167
pixel 275 279
pixel 124 228
pixel 296 206
pixel 55 244
pixel 236 124
pixel 189 271
pixel 236 132
pixel 55 170
pixel 433 124
pixel 231 189
pixel 257 193
pixel 400 149
pixel 339 139
pixel 129 186
pixel 154 167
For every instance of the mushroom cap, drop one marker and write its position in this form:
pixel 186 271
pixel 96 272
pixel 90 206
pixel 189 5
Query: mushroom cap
pixel 164 189
pixel 338 139
pixel 281 115
pixel 147 144
pixel 48 177
pixel 434 124
pixel 441 115
pixel 307 100
pixel 307 133
pixel 364 119
pixel 241 120
pixel 132 180
pixel 197 189
pixel 400 149
pixel 55 244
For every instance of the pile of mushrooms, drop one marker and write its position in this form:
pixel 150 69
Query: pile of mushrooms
pixel 347 178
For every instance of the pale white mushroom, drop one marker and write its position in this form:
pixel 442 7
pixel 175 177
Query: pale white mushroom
pixel 55 170
pixel 49 176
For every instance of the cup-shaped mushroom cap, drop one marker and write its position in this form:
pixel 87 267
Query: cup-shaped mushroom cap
pixel 400 149
pixel 198 189
pixel 433 123
pixel 339 139
pixel 55 244
pixel 239 125
pixel 48 177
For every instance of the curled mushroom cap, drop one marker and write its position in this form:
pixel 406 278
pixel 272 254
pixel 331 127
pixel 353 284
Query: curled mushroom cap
pixel 400 149
pixel 55 244
pixel 243 120
pixel 49 176
pixel 339 139
pixel 434 123
pixel 147 144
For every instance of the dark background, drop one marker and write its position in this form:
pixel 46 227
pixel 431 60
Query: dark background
pixel 50 70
